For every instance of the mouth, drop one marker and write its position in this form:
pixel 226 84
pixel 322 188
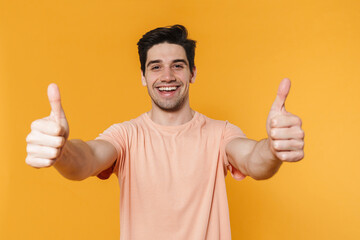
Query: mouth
pixel 167 91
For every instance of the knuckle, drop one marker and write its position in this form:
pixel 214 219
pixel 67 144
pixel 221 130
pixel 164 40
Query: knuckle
pixel 296 144
pixel 281 156
pixel 29 148
pixel 28 161
pixel 302 144
pixel 273 133
pixel 57 142
pixel 57 129
pixel 299 121
pixel 36 124
pixel 48 163
pixel 33 124
pixel 273 122
pixel 301 134
pixel 276 145
pixel 29 137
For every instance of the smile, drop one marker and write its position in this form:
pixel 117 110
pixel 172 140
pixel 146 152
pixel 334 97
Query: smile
pixel 167 89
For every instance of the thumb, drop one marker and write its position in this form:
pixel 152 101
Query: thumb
pixel 283 91
pixel 57 111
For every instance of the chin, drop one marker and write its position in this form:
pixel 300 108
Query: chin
pixel 170 107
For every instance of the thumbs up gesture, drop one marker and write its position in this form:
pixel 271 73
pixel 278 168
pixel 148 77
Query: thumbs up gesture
pixel 286 138
pixel 48 135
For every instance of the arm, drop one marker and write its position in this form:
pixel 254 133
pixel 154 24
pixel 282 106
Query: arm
pixel 253 158
pixel 285 142
pixel 80 160
pixel 47 145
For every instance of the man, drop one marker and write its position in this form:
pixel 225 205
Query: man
pixel 171 162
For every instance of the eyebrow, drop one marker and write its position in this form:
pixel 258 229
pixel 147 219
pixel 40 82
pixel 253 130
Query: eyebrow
pixel 180 60
pixel 174 61
pixel 152 62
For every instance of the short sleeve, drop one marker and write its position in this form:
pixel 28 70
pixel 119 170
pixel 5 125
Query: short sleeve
pixel 230 133
pixel 116 135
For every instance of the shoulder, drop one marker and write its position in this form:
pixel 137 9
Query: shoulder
pixel 132 123
pixel 126 126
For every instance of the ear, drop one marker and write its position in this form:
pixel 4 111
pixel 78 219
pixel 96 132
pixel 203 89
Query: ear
pixel 192 80
pixel 143 80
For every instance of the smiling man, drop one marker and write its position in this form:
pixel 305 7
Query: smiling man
pixel 172 161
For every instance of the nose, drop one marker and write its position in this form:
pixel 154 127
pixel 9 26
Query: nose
pixel 167 75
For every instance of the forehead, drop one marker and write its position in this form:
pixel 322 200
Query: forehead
pixel 166 52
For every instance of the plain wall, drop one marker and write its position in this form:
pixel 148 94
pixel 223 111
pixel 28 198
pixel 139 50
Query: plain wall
pixel 244 50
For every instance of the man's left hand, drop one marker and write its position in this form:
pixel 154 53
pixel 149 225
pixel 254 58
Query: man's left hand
pixel 285 136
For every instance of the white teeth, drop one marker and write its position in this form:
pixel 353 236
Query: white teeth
pixel 167 88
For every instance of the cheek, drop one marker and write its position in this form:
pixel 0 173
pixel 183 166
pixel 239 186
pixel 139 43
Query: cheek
pixel 184 77
pixel 150 79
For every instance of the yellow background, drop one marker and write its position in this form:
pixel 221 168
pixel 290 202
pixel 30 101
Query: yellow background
pixel 244 50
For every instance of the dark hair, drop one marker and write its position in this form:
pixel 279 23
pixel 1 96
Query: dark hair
pixel 176 34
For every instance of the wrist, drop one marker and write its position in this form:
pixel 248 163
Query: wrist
pixel 64 152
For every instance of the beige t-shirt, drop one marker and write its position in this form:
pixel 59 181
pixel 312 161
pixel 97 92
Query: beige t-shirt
pixel 172 178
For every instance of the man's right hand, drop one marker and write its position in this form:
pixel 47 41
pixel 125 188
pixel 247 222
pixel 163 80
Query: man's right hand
pixel 48 135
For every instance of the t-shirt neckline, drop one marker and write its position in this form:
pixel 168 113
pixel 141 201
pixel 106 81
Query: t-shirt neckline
pixel 170 127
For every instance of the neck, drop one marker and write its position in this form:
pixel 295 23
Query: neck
pixel 169 118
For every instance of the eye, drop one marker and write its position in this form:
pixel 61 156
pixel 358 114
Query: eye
pixel 155 67
pixel 179 66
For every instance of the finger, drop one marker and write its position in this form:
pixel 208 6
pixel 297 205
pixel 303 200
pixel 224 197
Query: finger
pixel 290 156
pixel 42 151
pixel 55 102
pixel 288 145
pixel 283 91
pixel 48 126
pixel 39 162
pixel 287 133
pixel 38 138
pixel 282 121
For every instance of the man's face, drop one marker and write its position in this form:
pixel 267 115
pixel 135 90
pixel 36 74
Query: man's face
pixel 167 76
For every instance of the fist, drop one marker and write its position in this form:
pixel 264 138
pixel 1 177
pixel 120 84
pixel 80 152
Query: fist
pixel 48 135
pixel 286 138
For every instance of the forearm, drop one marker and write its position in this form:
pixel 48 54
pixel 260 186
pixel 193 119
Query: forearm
pixel 261 163
pixel 76 160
